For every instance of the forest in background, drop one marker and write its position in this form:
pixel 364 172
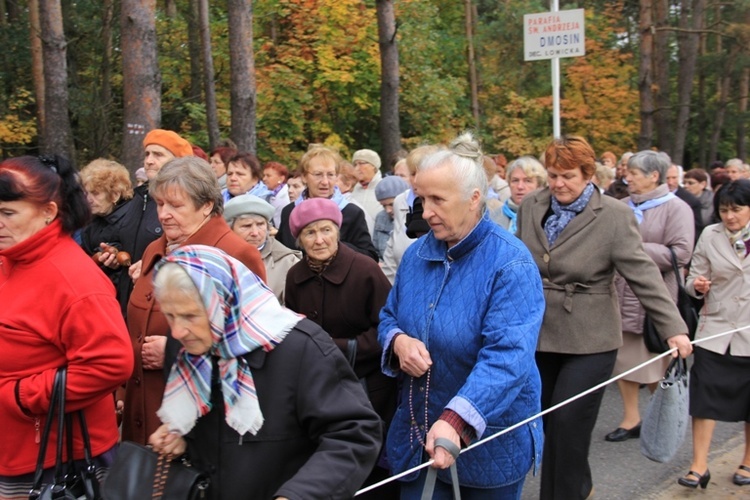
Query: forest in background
pixel 317 72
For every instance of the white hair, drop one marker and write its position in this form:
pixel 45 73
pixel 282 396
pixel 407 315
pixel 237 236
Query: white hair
pixel 465 157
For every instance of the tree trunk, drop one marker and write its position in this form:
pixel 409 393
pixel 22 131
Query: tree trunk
pixel 661 58
pixel 741 130
pixel 691 19
pixel 242 64
pixel 646 136
pixel 170 8
pixel 472 63
pixel 37 67
pixel 141 78
pixel 12 10
pixel 103 131
pixel 212 118
pixel 390 126
pixel 194 49
pixel 702 115
pixel 57 135
pixel 725 81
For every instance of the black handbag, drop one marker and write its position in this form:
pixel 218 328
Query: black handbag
pixel 70 481
pixel 654 343
pixel 140 473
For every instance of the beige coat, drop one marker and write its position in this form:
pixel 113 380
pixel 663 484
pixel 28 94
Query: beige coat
pixel 727 303
pixel 278 260
pixel 582 315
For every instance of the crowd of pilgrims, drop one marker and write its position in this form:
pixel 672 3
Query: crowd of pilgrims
pixel 342 322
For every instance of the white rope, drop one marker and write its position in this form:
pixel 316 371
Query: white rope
pixel 548 410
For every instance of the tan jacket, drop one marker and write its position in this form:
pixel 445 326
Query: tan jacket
pixel 727 303
pixel 278 260
pixel 582 315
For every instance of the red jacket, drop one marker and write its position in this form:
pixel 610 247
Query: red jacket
pixel 146 387
pixel 56 308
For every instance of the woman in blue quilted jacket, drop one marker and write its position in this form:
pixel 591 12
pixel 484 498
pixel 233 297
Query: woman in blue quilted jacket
pixel 460 328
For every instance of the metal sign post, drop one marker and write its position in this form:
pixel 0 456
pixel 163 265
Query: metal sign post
pixel 552 35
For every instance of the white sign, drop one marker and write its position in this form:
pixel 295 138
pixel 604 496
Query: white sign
pixel 554 34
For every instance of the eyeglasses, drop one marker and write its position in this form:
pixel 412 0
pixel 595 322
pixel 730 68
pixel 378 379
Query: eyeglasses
pixel 319 176
pixel 690 182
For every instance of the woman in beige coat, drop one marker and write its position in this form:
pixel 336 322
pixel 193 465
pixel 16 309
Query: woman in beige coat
pixel 720 376
pixel 579 238
pixel 666 225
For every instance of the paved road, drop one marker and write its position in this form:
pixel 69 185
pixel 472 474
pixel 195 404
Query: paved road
pixel 622 473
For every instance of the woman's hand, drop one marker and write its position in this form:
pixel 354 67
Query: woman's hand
pixel 413 357
pixel 701 285
pixel 152 352
pixel 134 271
pixel 683 345
pixel 167 443
pixel 442 459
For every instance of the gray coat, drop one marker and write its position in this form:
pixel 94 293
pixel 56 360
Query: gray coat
pixel 670 225
pixel 582 315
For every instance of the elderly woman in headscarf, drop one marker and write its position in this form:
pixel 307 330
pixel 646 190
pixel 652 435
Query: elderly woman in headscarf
pixel 190 207
pixel 250 218
pixel 258 396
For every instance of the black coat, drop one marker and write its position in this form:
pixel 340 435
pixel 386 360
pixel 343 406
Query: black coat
pixel 346 299
pixel 320 437
pixel 354 230
pixel 139 227
pixel 695 205
pixel 106 230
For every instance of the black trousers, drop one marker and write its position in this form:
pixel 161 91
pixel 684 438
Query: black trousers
pixel 566 474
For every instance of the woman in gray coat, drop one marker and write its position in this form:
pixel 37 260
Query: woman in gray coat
pixel 666 225
pixel 578 239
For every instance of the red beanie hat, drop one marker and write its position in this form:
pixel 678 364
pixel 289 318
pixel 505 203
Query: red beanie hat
pixel 169 140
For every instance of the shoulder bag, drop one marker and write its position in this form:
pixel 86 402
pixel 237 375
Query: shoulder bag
pixel 70 481
pixel 654 343
pixel 139 473
pixel 665 420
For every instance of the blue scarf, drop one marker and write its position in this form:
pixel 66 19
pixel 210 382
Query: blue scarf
pixel 512 214
pixel 563 214
pixel 648 204
pixel 337 198
pixel 260 190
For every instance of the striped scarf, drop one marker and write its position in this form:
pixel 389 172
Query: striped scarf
pixel 244 315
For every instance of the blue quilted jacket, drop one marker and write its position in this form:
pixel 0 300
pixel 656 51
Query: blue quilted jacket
pixel 478 308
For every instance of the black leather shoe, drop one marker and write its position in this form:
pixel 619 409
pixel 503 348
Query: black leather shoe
pixel 701 480
pixel 739 479
pixel 621 434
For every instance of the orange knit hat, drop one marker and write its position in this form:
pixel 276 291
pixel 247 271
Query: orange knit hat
pixel 169 140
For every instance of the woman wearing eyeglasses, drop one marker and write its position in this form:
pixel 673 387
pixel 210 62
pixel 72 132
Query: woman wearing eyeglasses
pixel 320 167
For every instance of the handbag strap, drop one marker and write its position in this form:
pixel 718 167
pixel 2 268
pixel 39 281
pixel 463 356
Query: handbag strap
pixel 429 482
pixel 676 373
pixel 160 475
pixel 676 269
pixel 57 399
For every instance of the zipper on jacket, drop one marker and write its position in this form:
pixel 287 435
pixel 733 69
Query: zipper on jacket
pixel 37 425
